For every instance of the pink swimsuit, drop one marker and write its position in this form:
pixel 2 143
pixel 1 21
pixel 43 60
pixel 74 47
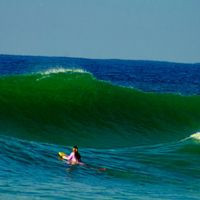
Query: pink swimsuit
pixel 72 158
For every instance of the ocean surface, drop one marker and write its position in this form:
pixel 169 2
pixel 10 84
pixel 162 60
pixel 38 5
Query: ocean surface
pixel 140 120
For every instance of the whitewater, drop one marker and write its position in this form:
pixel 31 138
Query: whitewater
pixel 140 120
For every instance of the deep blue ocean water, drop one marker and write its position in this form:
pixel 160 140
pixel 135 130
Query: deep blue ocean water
pixel 140 120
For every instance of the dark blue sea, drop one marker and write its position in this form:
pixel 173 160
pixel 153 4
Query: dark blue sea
pixel 136 123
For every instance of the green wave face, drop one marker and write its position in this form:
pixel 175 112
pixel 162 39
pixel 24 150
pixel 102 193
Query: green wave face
pixel 74 107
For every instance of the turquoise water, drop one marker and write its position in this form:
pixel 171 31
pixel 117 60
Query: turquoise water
pixel 148 142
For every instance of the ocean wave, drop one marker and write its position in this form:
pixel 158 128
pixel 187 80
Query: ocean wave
pixel 75 106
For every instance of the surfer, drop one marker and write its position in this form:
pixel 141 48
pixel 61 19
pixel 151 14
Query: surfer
pixel 74 157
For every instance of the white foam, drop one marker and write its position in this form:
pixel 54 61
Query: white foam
pixel 195 136
pixel 63 70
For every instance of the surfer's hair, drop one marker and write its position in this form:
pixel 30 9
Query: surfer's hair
pixel 77 154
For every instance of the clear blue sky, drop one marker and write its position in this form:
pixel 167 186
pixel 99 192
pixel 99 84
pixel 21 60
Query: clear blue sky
pixel 126 29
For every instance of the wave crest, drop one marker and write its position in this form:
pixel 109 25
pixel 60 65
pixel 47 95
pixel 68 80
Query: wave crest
pixel 62 70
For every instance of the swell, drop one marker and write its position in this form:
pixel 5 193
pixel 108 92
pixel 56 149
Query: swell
pixel 63 107
pixel 133 163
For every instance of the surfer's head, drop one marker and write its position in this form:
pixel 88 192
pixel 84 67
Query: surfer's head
pixel 75 148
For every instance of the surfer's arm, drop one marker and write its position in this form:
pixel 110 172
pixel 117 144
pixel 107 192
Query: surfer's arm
pixel 68 157
pixel 65 157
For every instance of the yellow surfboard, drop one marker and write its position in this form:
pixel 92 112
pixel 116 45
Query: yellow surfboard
pixel 62 154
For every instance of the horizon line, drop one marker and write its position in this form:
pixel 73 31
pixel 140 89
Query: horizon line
pixel 87 58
